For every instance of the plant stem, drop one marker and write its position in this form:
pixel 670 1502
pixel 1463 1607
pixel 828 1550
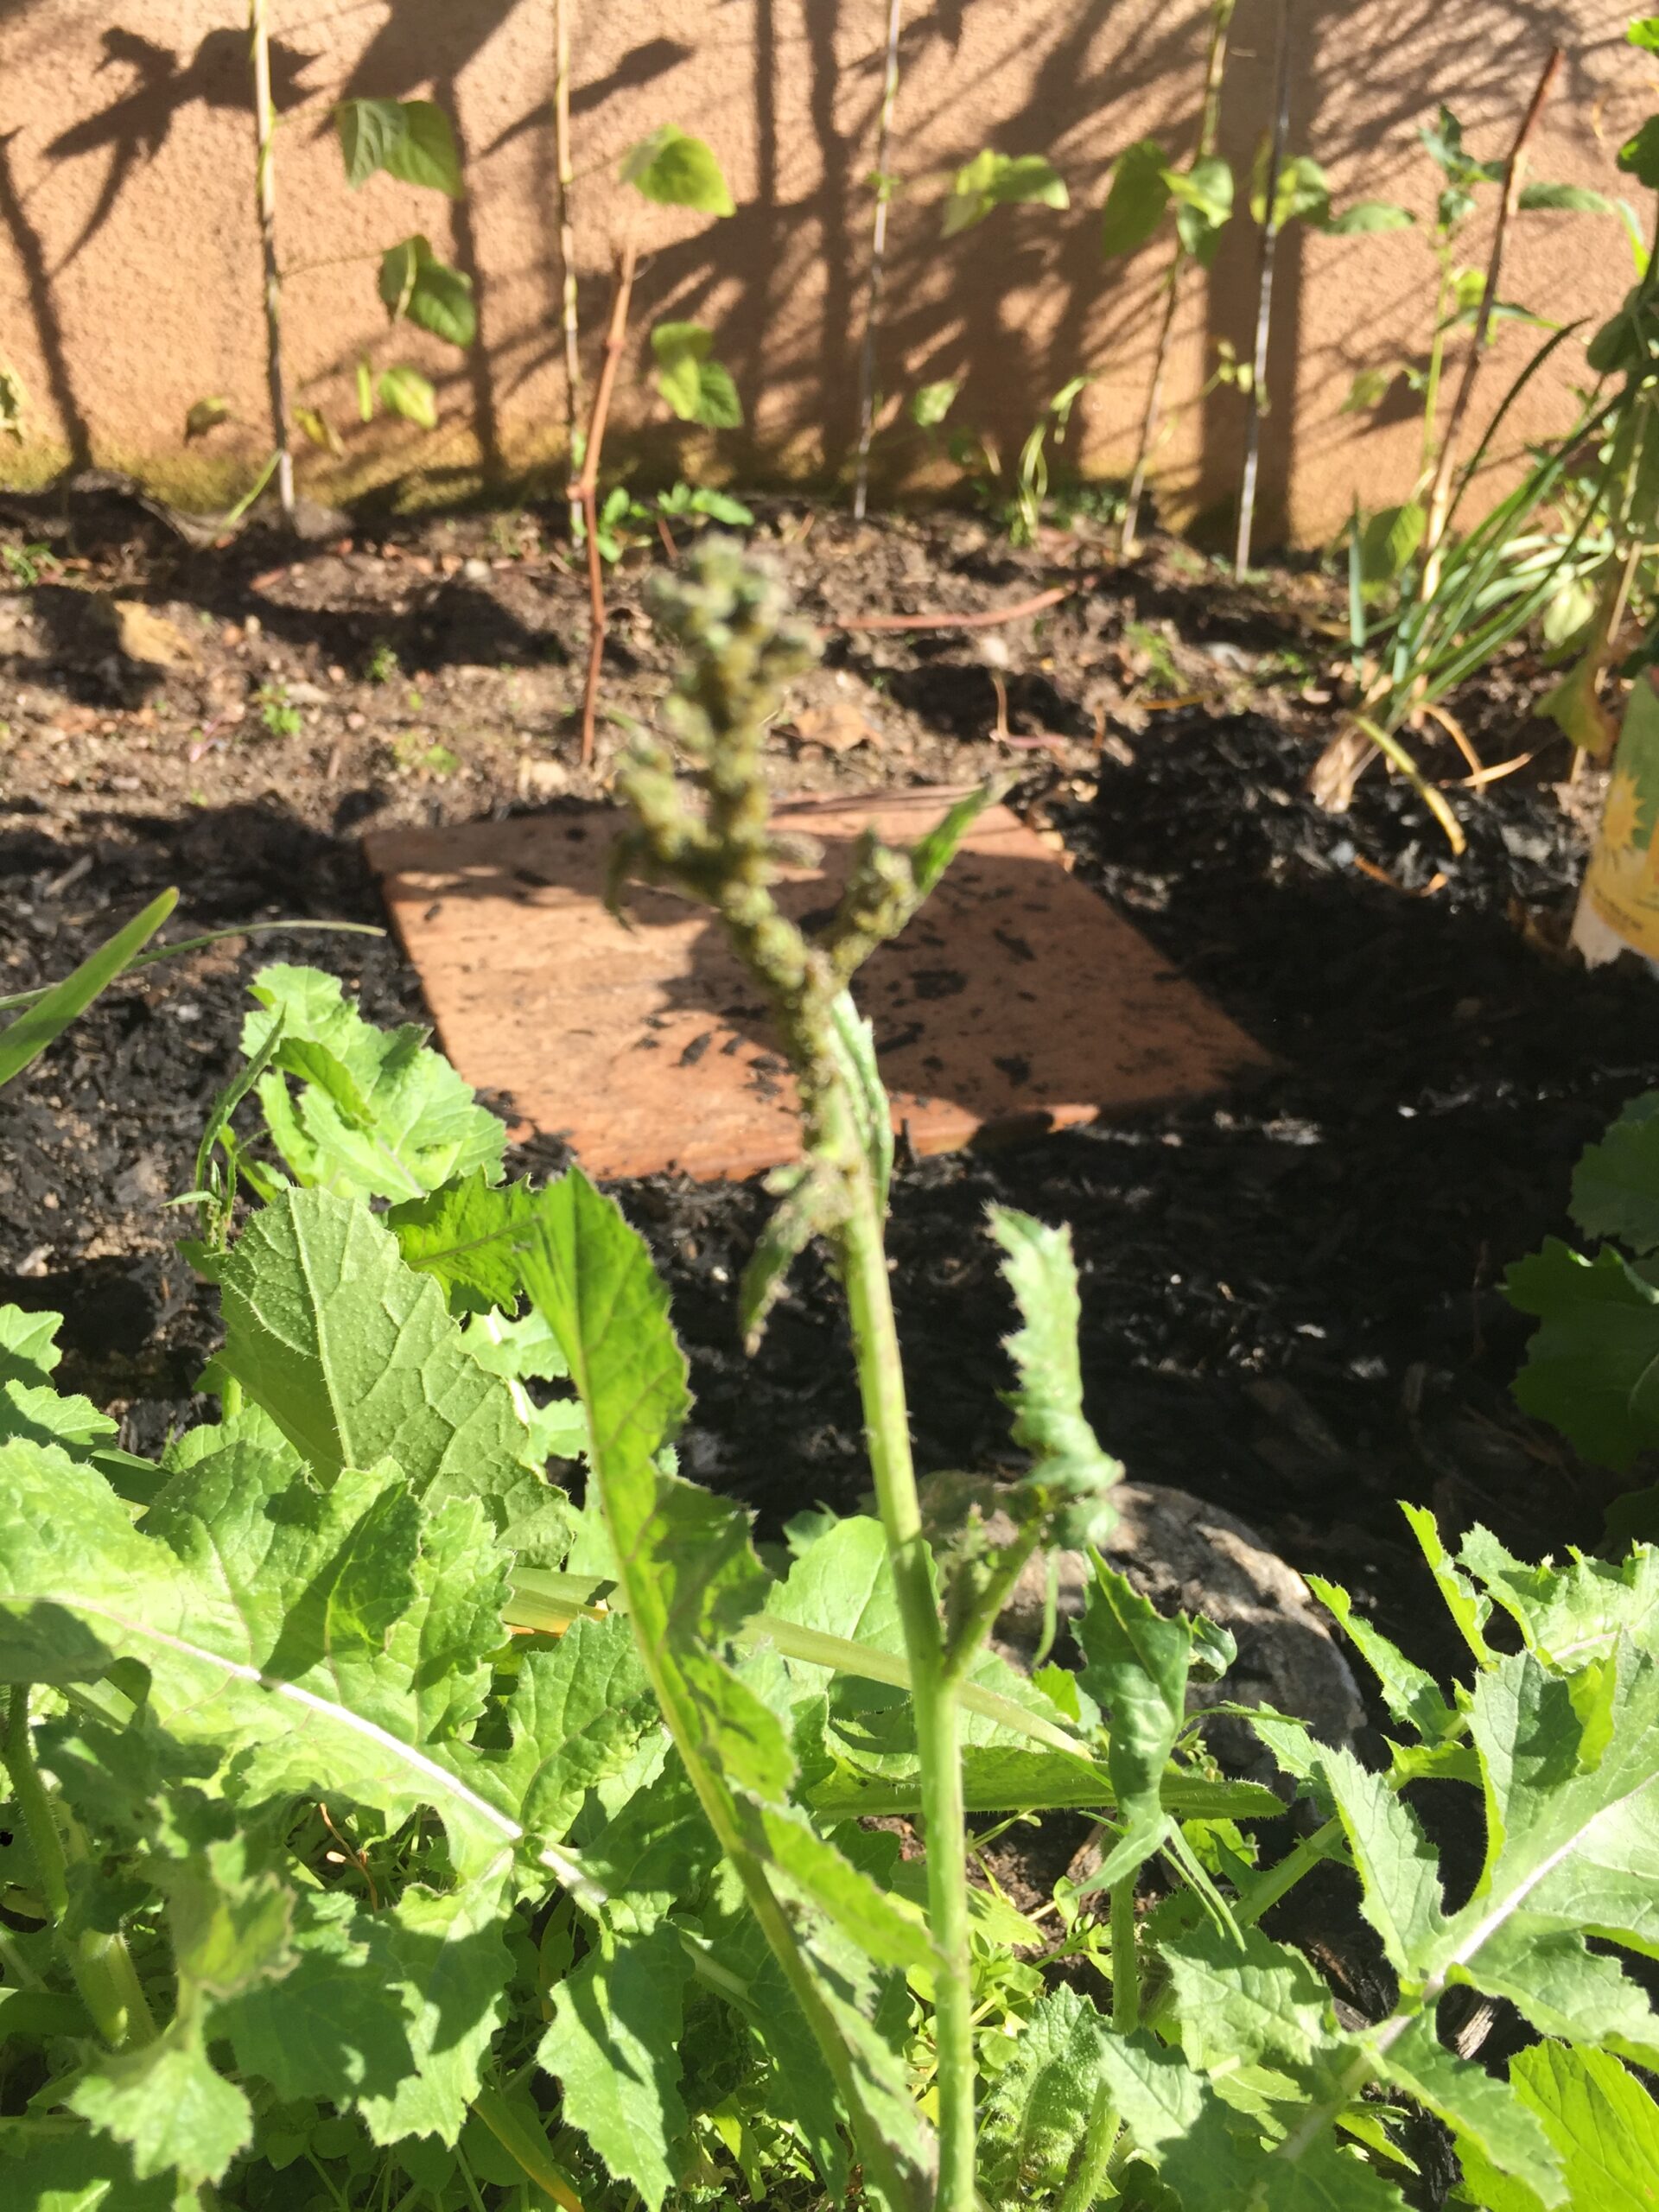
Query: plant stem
pixel 1264 294
pixel 1126 1972
pixel 586 491
pixel 1086 2185
pixel 45 1841
pixel 1440 494
pixel 566 179
pixel 1280 1880
pixel 265 124
pixel 938 1744
pixel 1221 17
pixel 878 265
pixel 101 1964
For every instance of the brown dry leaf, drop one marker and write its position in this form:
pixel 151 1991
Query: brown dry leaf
pixel 838 727
pixel 147 638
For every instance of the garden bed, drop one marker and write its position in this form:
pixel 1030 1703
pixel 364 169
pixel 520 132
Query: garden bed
pixel 1291 1297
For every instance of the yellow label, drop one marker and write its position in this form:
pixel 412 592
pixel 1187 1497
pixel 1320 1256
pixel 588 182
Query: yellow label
pixel 1622 883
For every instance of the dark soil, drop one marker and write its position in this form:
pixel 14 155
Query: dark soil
pixel 1292 1299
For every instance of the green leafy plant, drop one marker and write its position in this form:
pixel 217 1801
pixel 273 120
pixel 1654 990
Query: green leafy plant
pixel 28 564
pixel 49 1012
pixel 280 716
pixel 384 1830
pixel 673 170
pixel 1590 1364
pixel 1146 187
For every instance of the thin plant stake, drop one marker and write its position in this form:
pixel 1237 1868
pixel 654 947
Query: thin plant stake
pixel 1221 18
pixel 878 265
pixel 566 177
pixel 586 492
pixel 1264 293
pixel 265 124
pixel 1439 500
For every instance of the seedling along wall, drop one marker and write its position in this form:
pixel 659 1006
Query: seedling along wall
pixel 160 304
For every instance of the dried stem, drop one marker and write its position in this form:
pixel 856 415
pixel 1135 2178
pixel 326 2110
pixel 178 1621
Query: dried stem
pixel 1264 294
pixel 265 124
pixel 585 490
pixel 1221 18
pixel 878 265
pixel 1440 496
pixel 565 174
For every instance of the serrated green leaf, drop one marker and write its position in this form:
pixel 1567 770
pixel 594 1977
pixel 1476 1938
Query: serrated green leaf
pixel 336 2025
pixel 1049 1421
pixel 380 1113
pixel 1248 2003
pixel 1570 1616
pixel 1593 1367
pixel 357 1359
pixel 1401 1892
pixel 1615 1182
pixel 446 1959
pixel 576 1714
pixel 1602 2122
pixel 1478 2108
pixel 468 1233
pixel 677 171
pixel 1138 199
pixel 166 2103
pixel 991 181
pixel 1563 1987
pixel 1135 1666
pixel 1411 1693
pixel 1468 1608
pixel 613 2049
pixel 691 1579
pixel 1039 2111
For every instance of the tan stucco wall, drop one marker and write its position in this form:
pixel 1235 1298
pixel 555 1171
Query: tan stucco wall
pixel 129 268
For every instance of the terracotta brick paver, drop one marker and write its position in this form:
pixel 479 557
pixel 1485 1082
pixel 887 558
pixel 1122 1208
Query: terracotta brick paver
pixel 1016 1001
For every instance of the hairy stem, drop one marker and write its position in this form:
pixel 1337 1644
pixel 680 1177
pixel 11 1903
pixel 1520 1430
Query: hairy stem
pixel 938 1734
pixel 1088 2181
pixel 1126 1971
pixel 878 265
pixel 265 124
pixel 101 1964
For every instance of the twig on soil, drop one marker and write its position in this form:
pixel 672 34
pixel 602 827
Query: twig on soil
pixel 1440 499
pixel 986 620
pixel 586 491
